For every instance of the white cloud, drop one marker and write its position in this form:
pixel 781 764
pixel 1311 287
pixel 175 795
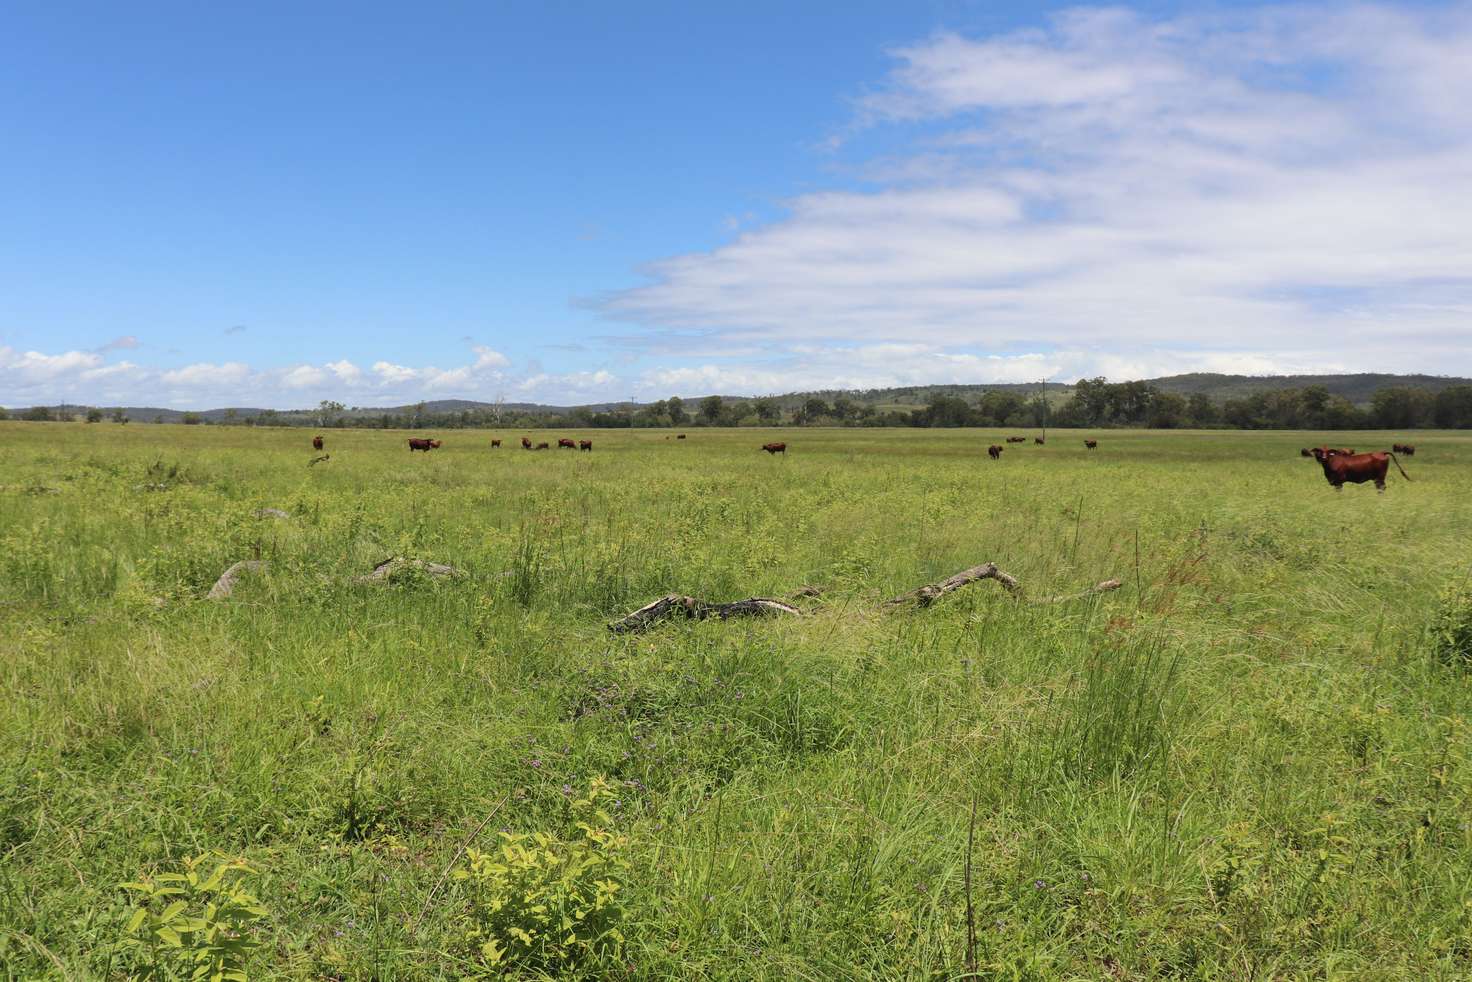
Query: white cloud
pixel 207 374
pixel 1200 190
pixel 30 368
pixel 303 377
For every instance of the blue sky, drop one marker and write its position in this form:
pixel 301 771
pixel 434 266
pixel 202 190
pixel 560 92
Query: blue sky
pixel 271 204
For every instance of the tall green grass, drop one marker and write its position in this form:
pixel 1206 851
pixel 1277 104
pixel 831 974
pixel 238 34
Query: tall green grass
pixel 1250 762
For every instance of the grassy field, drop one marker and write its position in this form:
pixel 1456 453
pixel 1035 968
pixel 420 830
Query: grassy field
pixel 1247 763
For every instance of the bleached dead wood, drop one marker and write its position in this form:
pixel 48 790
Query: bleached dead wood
pixel 225 585
pixel 395 564
pixel 931 592
pixel 317 460
pixel 696 609
pixel 271 513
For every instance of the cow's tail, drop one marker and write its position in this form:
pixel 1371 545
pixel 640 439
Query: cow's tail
pixel 1391 454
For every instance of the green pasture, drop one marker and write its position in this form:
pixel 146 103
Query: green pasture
pixel 1249 762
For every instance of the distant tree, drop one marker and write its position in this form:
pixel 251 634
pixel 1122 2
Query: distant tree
pixel 813 409
pixel 37 414
pixel 1201 409
pixel 158 419
pixel 4 414
pixel 997 406
pixel 766 410
pixel 1453 408
pixel 845 409
pixel 118 416
pixel 676 409
pixel 1401 407
pixel 328 411
pixel 946 411
pixel 231 417
pixel 192 419
pixel 710 409
pixel 94 415
pixel 1169 410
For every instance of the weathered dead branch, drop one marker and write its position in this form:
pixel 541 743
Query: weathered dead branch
pixel 696 609
pixel 931 592
pixel 317 460
pixel 271 513
pixel 397 564
pixel 1103 586
pixel 225 585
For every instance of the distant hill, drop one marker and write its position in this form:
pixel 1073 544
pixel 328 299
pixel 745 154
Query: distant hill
pixel 1358 389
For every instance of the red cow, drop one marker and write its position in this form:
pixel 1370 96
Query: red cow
pixel 1038 440
pixel 780 448
pixel 1091 444
pixel 585 445
pixel 316 443
pixel 425 445
pixel 526 444
pixel 1356 468
pixel 495 443
pixel 566 444
pixel 1405 448
pixel 543 446
pixel 994 452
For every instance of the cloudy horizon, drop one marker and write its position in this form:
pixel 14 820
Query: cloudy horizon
pixel 1262 190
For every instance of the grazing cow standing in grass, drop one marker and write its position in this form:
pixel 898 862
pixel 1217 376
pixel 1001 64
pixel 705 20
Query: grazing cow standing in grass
pixel 1091 444
pixel 425 445
pixel 780 448
pixel 526 444
pixel 1038 440
pixel 1016 439
pixel 495 444
pixel 680 437
pixel 585 445
pixel 1404 448
pixel 566 444
pixel 543 446
pixel 994 452
pixel 1357 468
pixel 316 443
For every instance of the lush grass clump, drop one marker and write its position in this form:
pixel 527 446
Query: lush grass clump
pixel 1252 762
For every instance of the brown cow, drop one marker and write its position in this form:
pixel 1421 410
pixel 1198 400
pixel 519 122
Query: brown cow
pixel 680 437
pixel 585 445
pixel 316 443
pixel 425 445
pixel 526 444
pixel 1091 444
pixel 566 444
pixel 495 443
pixel 780 448
pixel 1016 439
pixel 1038 440
pixel 1356 468
pixel 1408 449
pixel 1305 452
pixel 543 446
pixel 994 452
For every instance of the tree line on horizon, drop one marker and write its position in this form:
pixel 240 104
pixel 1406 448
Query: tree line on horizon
pixel 1094 402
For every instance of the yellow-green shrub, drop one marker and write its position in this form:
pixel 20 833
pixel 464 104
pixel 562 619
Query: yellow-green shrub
pixel 542 901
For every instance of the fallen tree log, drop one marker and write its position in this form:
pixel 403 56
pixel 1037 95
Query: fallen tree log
pixel 397 564
pixel 225 585
pixel 931 592
pixel 696 609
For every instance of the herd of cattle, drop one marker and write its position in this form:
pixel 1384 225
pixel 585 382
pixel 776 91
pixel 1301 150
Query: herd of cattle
pixel 1341 464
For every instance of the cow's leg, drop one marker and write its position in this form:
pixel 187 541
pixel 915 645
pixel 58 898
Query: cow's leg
pixel 1380 486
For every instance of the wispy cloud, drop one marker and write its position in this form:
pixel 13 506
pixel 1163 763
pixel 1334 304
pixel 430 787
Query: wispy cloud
pixel 235 329
pixel 1278 188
